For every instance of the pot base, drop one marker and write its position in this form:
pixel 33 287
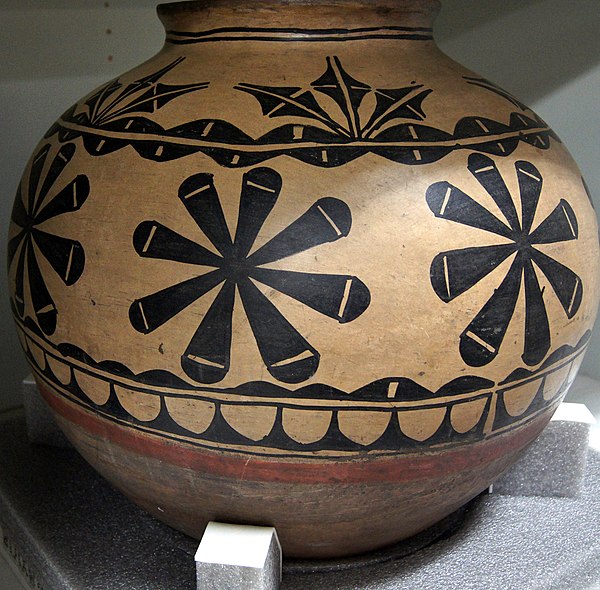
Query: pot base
pixel 406 494
pixel 441 530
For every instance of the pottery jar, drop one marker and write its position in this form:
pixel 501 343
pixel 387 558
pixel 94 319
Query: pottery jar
pixel 301 269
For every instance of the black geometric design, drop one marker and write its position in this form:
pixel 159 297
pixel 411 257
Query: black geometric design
pixel 456 271
pixel 286 353
pixel 348 94
pixel 375 397
pixel 117 108
pixel 332 127
pixel 30 211
pixel 295 35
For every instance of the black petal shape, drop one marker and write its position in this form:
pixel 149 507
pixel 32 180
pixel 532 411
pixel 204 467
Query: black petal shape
pixel 287 355
pixel 152 239
pixel 565 283
pixel 43 305
pixel 327 220
pixel 454 272
pixel 530 187
pixel 484 169
pixel 448 202
pixel 207 356
pixel 66 256
pixel 62 158
pixel 20 278
pixel 69 199
pixel 341 297
pixel 559 226
pixel 151 312
pixel 347 92
pixel 481 340
pixel 13 245
pixel 260 191
pixel 537 329
pixel 35 174
pixel 199 196
pixel 19 215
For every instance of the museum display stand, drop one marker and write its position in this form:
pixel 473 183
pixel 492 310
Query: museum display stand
pixel 63 527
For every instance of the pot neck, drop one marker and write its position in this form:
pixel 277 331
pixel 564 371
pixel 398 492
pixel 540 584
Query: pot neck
pixel 300 19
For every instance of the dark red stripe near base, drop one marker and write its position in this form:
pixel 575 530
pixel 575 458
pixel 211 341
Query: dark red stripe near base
pixel 406 467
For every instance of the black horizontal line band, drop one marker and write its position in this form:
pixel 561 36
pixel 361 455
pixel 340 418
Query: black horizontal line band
pixel 297 31
pixel 301 39
pixel 278 452
pixel 451 142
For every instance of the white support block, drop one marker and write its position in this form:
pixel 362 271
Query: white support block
pixel 238 557
pixel 554 465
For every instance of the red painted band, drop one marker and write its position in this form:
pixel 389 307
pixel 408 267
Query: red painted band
pixel 408 467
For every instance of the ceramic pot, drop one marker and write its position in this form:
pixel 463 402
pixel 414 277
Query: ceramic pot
pixel 301 269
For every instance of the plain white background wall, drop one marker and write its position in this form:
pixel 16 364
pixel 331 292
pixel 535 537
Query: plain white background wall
pixel 54 51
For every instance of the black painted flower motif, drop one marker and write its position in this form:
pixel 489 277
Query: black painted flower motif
pixel 146 95
pixel 286 353
pixel 348 94
pixel 456 271
pixel 31 210
pixel 122 109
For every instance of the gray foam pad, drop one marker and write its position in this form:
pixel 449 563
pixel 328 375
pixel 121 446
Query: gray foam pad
pixel 554 464
pixel 41 426
pixel 74 532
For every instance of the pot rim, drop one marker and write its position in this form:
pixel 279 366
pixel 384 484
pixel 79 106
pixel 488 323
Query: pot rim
pixel 183 6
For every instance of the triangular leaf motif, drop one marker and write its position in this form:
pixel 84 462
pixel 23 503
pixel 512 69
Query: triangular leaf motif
pixel 96 101
pixel 389 98
pixel 156 76
pixel 289 102
pixel 396 104
pixel 348 94
pixel 154 98
pixel 145 95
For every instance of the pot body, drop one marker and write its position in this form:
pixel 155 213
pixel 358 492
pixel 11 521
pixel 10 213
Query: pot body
pixel 301 269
